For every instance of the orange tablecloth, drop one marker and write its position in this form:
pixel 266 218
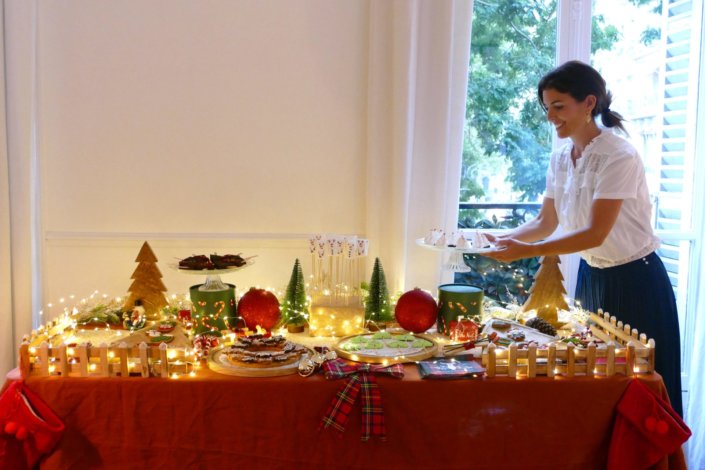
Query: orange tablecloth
pixel 219 421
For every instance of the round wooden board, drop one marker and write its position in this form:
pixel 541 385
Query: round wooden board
pixel 218 362
pixel 401 358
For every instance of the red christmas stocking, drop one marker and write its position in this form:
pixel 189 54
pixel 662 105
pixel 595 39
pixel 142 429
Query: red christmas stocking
pixel 28 428
pixel 645 430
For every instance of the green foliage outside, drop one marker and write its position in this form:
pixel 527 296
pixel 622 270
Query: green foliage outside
pixel 508 283
pixel 519 215
pixel 513 45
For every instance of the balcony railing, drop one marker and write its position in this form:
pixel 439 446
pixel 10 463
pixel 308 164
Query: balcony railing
pixel 496 214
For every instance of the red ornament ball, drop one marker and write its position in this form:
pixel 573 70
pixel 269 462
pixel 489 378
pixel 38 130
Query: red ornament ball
pixel 416 311
pixel 259 307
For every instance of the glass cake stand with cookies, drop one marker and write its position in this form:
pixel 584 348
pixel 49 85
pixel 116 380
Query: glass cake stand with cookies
pixel 455 245
pixel 214 308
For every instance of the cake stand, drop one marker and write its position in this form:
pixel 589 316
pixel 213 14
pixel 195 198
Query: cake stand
pixel 454 255
pixel 213 281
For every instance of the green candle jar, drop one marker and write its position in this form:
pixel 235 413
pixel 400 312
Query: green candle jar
pixel 456 300
pixel 213 310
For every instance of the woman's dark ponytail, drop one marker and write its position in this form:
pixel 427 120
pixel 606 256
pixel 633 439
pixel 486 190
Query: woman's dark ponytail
pixel 612 119
pixel 609 118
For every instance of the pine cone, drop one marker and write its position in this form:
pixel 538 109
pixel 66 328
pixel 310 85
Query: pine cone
pixel 542 325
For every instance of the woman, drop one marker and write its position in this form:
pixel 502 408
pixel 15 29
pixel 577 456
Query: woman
pixel 596 191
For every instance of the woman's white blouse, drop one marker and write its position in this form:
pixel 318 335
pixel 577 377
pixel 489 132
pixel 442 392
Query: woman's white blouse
pixel 610 168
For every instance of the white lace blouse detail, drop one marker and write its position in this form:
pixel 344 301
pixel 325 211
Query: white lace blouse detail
pixel 610 168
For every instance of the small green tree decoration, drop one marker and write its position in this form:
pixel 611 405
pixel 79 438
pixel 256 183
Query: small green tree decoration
pixel 377 307
pixel 295 306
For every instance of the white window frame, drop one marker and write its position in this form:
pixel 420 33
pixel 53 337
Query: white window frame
pixel 573 41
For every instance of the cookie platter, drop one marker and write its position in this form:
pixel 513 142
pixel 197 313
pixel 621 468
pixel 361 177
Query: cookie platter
pixel 512 331
pixel 258 357
pixel 386 348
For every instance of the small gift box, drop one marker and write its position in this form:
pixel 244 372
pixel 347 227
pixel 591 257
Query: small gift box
pixel 185 315
pixel 463 329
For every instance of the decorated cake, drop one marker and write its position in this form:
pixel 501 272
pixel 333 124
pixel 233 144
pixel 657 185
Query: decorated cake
pixel 261 351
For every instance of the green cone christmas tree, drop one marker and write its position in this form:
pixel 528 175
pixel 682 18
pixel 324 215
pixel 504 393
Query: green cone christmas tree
pixel 377 307
pixel 295 306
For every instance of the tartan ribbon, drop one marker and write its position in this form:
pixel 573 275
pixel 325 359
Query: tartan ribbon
pixel 361 377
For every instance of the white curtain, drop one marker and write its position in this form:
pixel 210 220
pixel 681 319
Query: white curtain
pixel 695 406
pixel 20 276
pixel 419 53
pixel 7 346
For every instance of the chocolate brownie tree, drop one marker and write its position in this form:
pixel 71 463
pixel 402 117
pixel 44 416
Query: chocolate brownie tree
pixel 295 306
pixel 147 285
pixel 547 294
pixel 377 307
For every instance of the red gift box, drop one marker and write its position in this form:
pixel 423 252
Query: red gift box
pixel 463 329
pixel 185 316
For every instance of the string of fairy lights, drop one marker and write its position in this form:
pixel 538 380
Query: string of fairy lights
pixel 60 327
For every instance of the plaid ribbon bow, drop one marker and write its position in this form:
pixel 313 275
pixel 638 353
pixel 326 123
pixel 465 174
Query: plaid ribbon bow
pixel 360 376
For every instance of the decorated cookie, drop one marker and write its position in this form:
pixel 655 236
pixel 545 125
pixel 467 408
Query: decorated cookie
pixel 161 339
pixel 382 335
pixel 166 326
pixel 359 340
pixel 397 344
pixel 405 337
pixel 421 343
pixel 516 335
pixel 374 344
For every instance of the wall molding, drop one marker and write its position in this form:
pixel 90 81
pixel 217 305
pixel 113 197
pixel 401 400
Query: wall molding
pixel 52 236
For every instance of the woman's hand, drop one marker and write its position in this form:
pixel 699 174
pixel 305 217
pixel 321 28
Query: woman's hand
pixel 509 249
pixel 492 238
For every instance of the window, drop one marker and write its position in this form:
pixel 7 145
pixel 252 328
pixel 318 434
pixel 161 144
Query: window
pixel 652 70
pixel 507 139
pixel 649 52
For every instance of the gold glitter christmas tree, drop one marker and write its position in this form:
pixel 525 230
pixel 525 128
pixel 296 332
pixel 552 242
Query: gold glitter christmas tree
pixel 547 294
pixel 147 285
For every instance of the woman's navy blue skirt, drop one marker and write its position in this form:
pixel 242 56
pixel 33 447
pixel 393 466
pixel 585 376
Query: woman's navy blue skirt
pixel 639 294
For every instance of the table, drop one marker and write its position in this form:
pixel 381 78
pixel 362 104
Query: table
pixel 220 421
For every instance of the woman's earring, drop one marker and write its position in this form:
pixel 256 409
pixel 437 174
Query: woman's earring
pixel 588 118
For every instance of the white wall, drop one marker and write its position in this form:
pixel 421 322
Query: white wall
pixel 191 125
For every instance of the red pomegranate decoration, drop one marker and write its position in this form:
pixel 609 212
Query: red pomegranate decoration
pixel 416 311
pixel 259 307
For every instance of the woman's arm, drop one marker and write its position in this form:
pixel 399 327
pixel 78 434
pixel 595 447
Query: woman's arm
pixel 536 229
pixel 603 215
